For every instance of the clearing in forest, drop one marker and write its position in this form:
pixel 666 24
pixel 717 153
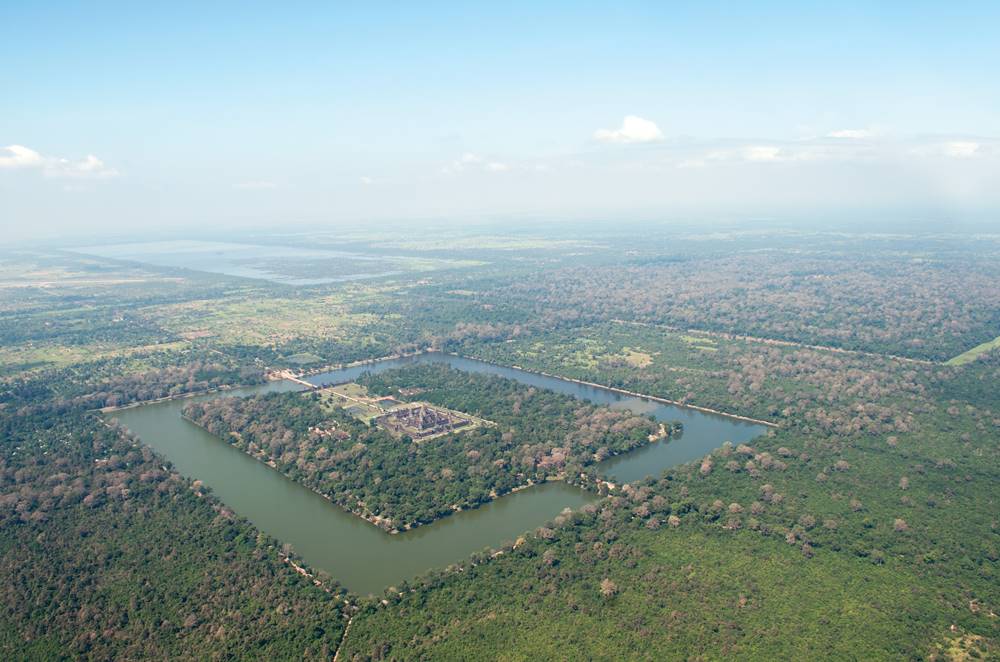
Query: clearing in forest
pixel 974 353
pixel 419 421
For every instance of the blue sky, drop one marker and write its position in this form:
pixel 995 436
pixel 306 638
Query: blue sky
pixel 237 113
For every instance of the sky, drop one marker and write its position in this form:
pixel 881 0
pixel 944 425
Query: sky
pixel 122 117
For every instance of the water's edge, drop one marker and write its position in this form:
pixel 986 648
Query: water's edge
pixel 364 558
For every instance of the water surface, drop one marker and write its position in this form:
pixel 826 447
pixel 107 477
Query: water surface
pixel 288 265
pixel 703 431
pixel 364 558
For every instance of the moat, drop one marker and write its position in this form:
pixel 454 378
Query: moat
pixel 362 557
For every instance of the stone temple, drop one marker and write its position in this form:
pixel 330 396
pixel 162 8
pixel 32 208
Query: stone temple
pixel 421 421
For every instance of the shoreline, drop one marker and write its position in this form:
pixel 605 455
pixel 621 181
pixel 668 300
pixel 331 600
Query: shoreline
pixel 375 519
pixel 371 519
pixel 333 367
pixel 179 396
pixel 655 398
pixel 623 391
pixel 288 374
pixel 541 373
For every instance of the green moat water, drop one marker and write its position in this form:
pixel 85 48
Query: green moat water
pixel 364 558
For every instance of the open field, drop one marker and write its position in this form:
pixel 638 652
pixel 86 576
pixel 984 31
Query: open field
pixel 15 360
pixel 323 328
pixel 974 353
pixel 392 415
pixel 283 264
pixel 355 400
pixel 636 358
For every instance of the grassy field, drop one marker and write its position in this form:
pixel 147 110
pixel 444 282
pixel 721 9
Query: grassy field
pixel 701 342
pixel 355 399
pixel 636 358
pixel 612 347
pixel 254 321
pixel 304 359
pixel 351 397
pixel 974 353
pixel 25 358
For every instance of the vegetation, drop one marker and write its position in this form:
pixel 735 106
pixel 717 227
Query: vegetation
pixel 595 592
pixel 74 390
pixel 400 483
pixel 845 512
pixel 863 527
pixel 928 310
pixel 108 554
pixel 974 353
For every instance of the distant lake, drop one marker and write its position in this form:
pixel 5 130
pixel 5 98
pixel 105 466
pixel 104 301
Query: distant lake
pixel 364 558
pixel 289 265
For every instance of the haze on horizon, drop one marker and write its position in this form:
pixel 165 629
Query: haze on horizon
pixel 123 117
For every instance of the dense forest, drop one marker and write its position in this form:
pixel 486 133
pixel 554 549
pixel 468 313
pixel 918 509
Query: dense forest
pixel 170 381
pixel 863 526
pixel 107 553
pixel 884 304
pixel 399 483
pixel 874 425
pixel 845 517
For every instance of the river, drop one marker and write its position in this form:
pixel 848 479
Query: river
pixel 362 557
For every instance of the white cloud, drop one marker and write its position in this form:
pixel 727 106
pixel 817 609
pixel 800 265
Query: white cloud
pixel 943 149
pixel 953 149
pixel 20 157
pixel 91 167
pixel 961 149
pixel 472 161
pixel 789 152
pixel 751 153
pixel 761 153
pixel 461 163
pixel 851 134
pixel 633 130
pixel 367 181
